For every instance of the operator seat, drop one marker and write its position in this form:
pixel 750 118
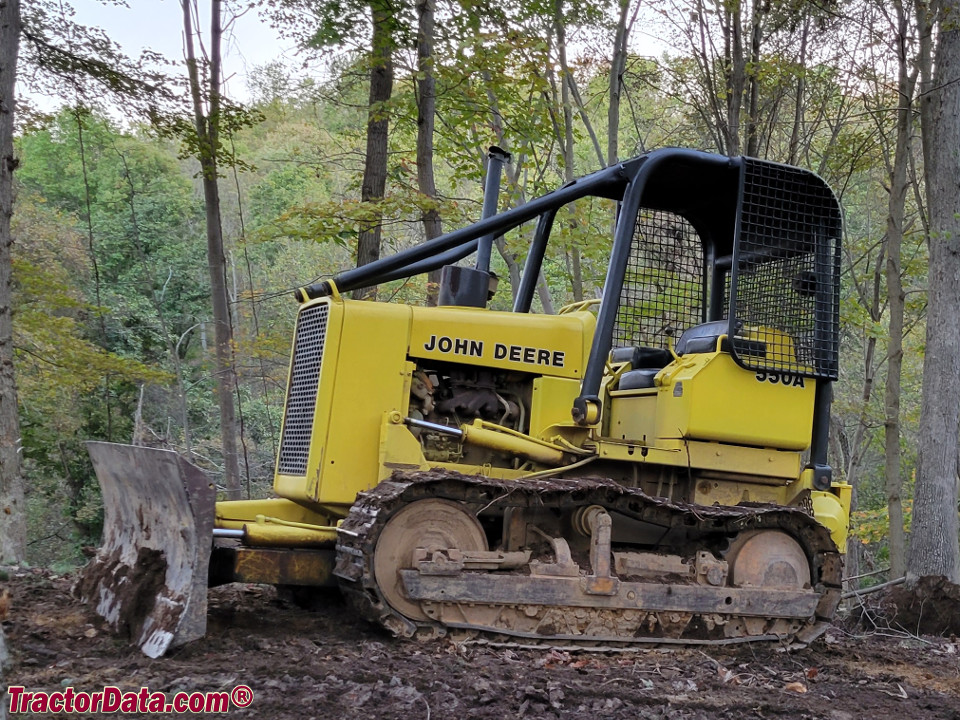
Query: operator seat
pixel 702 338
pixel 645 362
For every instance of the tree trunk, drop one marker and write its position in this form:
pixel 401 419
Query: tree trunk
pixel 736 69
pixel 896 299
pixel 794 148
pixel 208 126
pixel 512 262
pixel 753 80
pixel 426 109
pixel 934 547
pixel 582 111
pixel 566 142
pixel 617 66
pixel 543 292
pixel 857 448
pixel 13 525
pixel 374 183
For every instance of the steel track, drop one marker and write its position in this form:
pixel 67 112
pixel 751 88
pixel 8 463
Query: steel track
pixel 360 531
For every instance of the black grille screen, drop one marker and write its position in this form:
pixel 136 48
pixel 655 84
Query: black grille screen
pixel 788 270
pixel 302 393
pixel 663 289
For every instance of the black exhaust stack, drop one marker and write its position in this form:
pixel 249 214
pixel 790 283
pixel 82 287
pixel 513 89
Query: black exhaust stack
pixel 474 287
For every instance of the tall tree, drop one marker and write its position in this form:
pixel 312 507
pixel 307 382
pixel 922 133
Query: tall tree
pixel 13 521
pixel 13 528
pixel 934 548
pixel 338 24
pixel 426 111
pixel 374 184
pixel 899 184
pixel 575 270
pixel 207 118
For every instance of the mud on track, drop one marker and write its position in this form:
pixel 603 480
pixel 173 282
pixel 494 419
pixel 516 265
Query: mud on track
pixel 324 663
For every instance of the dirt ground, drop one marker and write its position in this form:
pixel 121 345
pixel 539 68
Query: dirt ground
pixel 323 663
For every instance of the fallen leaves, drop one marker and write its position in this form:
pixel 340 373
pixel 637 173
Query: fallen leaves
pixel 553 658
pixel 727 676
pixel 797 687
pixel 561 658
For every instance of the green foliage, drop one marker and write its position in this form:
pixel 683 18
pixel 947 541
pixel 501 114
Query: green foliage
pixel 873 526
pixel 60 375
pixel 143 222
pixel 232 118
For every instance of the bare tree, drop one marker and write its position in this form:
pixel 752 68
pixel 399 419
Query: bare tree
pixel 426 110
pixel 207 117
pixel 934 548
pixel 13 524
pixel 618 64
pixel 737 78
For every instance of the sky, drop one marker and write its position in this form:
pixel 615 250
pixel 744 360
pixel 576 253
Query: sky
pixel 158 25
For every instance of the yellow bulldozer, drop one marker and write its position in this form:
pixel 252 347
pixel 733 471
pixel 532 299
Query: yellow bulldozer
pixel 646 468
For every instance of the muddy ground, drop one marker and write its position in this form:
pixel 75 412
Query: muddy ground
pixel 323 663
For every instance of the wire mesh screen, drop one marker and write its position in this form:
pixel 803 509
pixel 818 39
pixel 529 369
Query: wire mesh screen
pixel 787 272
pixel 663 289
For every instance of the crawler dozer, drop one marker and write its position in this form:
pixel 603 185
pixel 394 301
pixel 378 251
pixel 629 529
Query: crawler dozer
pixel 646 468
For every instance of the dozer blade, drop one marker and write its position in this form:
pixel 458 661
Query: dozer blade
pixel 149 578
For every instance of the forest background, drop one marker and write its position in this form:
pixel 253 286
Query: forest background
pixel 374 138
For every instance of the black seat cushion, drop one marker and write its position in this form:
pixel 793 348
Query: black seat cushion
pixel 638 379
pixel 701 338
pixel 641 357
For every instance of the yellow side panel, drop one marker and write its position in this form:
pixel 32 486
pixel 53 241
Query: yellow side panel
pixel 370 379
pixel 762 462
pixel 633 415
pixel 709 397
pixel 832 510
pixel 540 344
pixel 552 401
pixel 399 449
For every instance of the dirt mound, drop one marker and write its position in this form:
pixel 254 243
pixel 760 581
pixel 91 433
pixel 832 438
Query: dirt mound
pixel 927 606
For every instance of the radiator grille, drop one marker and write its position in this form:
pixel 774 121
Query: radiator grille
pixel 302 393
